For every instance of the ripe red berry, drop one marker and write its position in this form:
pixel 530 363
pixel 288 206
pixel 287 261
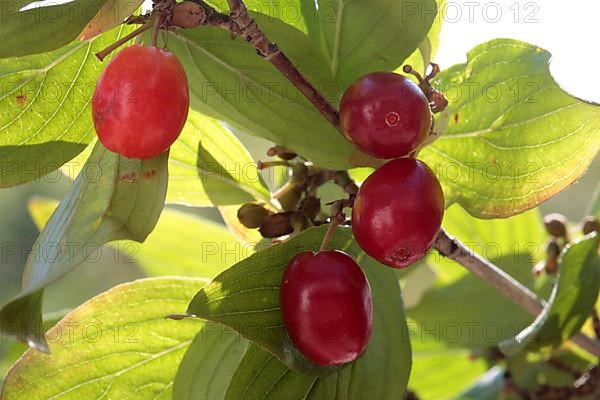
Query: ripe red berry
pixel 327 307
pixel 141 102
pixel 398 212
pixel 385 115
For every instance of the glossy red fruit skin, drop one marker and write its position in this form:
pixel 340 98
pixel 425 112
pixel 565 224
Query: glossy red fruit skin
pixel 385 115
pixel 327 307
pixel 398 212
pixel 141 102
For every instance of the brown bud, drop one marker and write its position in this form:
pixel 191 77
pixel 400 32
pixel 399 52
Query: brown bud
pixel 310 206
pixel 552 249
pixel 188 15
pixel 280 224
pixel 590 224
pixel 252 215
pixel 551 266
pixel 276 225
pixel 556 225
pixel 281 152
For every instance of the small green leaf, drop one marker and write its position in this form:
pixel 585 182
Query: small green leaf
pixel 116 345
pixel 246 298
pixel 511 137
pixel 572 301
pixel 209 364
pixel 45 102
pixel 203 249
pixel 359 37
pixel 37 27
pixel 112 13
pixel 112 198
pixel 210 166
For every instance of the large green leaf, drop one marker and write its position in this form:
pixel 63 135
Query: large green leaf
pixel 573 299
pixel 209 166
pixel 112 198
pixel 246 297
pixel 203 249
pixel 45 102
pixel 35 27
pixel 511 137
pixel 363 36
pixel 116 345
pixel 208 365
pixel 440 371
pixel 228 81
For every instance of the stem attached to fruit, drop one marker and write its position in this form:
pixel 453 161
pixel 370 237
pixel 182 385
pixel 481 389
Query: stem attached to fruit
pixel 336 220
pixel 453 249
pixel 101 55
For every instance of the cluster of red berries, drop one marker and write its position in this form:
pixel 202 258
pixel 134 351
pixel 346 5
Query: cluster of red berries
pixel 325 298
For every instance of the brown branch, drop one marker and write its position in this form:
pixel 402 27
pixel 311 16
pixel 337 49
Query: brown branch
pixel 250 30
pixel 453 249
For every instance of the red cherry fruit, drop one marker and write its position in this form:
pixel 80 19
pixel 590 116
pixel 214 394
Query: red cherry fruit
pixel 398 212
pixel 141 102
pixel 385 114
pixel 327 307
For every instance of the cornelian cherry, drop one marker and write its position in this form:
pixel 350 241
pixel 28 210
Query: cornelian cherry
pixel 398 212
pixel 141 102
pixel 327 307
pixel 385 114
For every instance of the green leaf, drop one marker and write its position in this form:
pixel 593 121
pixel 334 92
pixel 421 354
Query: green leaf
pixel 203 249
pixel 116 345
pixel 440 371
pixel 246 298
pixel 511 137
pixel 261 375
pixel 112 13
pixel 209 364
pixel 210 166
pixel 573 299
pixel 488 387
pixel 37 27
pixel 360 37
pixel 45 102
pixel 112 198
pixel 228 81
pixel 187 245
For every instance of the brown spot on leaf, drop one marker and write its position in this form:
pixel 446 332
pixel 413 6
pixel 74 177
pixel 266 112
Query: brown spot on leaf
pixel 128 177
pixel 456 118
pixel 21 99
pixel 150 173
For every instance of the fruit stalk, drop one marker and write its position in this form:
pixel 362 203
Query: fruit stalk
pixel 453 249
